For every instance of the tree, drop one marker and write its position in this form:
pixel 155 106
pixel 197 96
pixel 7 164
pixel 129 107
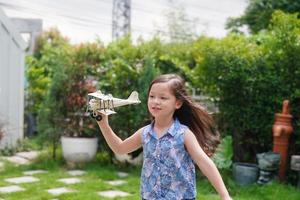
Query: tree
pixel 249 77
pixel 259 13
pixel 179 28
pixel 51 46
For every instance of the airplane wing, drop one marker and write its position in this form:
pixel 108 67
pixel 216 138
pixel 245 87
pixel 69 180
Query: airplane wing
pixel 105 104
pixel 99 95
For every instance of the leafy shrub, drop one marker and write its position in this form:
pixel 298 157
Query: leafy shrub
pixel 249 78
pixel 224 153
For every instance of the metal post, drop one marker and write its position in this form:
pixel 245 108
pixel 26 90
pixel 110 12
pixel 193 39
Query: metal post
pixel 121 18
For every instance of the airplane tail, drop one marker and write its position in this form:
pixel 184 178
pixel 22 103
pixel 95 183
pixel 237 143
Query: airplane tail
pixel 134 96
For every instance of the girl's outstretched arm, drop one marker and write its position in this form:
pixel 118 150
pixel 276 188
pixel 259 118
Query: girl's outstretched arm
pixel 118 146
pixel 205 164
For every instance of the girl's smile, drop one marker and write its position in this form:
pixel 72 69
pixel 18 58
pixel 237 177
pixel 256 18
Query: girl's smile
pixel 155 108
pixel 161 99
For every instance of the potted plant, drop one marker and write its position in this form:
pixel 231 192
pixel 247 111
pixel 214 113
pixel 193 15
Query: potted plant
pixel 79 141
pixel 79 138
pixel 62 115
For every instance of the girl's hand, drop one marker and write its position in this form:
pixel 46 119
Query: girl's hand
pixel 104 120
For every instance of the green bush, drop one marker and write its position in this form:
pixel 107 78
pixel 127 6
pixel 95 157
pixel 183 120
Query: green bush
pixel 249 77
pixel 62 108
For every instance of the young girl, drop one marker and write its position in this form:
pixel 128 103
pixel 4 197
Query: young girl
pixel 181 134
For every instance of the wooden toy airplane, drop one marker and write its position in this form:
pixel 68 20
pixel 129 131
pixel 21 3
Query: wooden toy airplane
pixel 105 104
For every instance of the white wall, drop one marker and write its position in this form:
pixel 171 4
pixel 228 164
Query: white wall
pixel 12 56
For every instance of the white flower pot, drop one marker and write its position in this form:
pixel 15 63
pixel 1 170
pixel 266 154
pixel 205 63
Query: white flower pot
pixel 79 150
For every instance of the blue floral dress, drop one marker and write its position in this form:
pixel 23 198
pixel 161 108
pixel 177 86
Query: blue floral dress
pixel 168 171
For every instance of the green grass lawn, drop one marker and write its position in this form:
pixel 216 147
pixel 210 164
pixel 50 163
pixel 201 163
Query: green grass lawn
pixel 97 173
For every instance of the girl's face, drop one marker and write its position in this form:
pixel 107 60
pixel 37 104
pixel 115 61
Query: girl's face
pixel 161 101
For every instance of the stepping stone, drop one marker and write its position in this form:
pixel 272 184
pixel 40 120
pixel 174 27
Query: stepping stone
pixel 23 179
pixel 29 155
pixel 10 189
pixel 33 172
pixel 113 193
pixel 1 167
pixel 122 174
pixel 76 172
pixel 17 160
pixel 59 191
pixel 116 182
pixel 70 180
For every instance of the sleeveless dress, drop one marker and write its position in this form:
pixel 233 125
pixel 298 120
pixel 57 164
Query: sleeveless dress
pixel 168 170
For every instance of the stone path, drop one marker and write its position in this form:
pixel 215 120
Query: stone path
pixel 76 172
pixel 33 172
pixel 30 155
pixel 29 178
pixel 22 179
pixel 113 193
pixel 69 180
pixel 116 182
pixel 122 174
pixel 24 158
pixel 1 167
pixel 12 188
pixel 59 191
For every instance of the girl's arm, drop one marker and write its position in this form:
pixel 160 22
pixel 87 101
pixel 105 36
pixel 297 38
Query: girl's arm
pixel 205 164
pixel 118 146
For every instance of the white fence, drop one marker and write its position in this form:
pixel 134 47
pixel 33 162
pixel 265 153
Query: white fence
pixel 12 53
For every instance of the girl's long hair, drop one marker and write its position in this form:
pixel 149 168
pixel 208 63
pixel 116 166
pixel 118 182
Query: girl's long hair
pixel 192 114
